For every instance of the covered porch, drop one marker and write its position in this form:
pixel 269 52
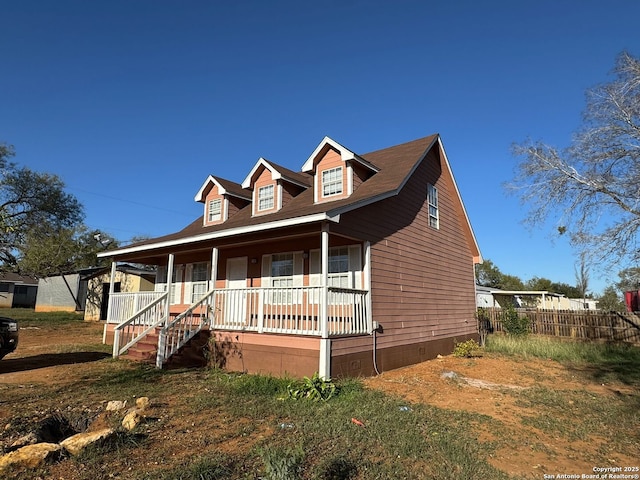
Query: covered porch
pixel 300 284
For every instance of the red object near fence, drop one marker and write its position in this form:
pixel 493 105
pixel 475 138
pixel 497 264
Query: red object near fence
pixel 631 300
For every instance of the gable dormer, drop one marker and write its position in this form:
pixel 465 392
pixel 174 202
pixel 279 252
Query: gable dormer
pixel 222 199
pixel 336 171
pixel 273 186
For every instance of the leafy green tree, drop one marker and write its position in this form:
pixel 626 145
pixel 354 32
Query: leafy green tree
pixel 610 300
pixel 28 201
pixel 511 282
pixel 539 284
pixel 596 177
pixel 489 275
pixel 49 251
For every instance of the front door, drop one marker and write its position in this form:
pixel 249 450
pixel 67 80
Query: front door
pixel 235 305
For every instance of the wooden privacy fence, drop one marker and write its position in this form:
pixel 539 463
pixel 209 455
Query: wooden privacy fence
pixel 581 324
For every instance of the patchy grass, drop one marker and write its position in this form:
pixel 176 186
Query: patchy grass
pixel 604 361
pixel 27 317
pixel 211 424
pixel 305 438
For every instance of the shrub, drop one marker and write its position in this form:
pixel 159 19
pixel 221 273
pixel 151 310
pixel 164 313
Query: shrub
pixel 314 388
pixel 514 323
pixel 468 349
pixel 282 463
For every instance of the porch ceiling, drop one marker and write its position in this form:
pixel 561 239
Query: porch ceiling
pixel 158 256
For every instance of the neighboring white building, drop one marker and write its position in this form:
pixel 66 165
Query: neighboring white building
pixel 495 298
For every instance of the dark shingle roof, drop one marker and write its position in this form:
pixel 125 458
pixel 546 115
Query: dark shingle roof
pixel 395 165
pixel 233 188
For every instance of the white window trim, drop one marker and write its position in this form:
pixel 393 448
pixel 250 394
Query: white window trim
pixel 333 182
pixel 219 214
pixel 297 277
pixel 190 283
pixel 273 197
pixel 354 269
pixel 432 202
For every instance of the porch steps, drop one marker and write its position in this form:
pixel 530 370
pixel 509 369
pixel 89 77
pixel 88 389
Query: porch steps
pixel 146 350
pixel 193 354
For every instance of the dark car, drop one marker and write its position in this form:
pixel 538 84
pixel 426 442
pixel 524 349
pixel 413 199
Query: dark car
pixel 8 335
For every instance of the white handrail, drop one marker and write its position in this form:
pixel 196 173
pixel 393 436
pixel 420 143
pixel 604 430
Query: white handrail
pixel 280 310
pixel 184 327
pixel 139 324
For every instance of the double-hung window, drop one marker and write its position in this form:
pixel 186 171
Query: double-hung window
pixel 432 200
pixel 199 277
pixel 282 276
pixel 339 267
pixel 332 182
pixel 215 210
pixel 266 198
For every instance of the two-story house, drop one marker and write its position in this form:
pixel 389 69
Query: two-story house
pixel 352 265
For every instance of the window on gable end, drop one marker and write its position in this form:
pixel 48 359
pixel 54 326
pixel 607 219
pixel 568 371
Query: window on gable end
pixel 266 198
pixel 432 200
pixel 214 210
pixel 332 182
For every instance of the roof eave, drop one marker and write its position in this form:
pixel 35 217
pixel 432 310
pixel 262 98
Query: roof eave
pixel 318 217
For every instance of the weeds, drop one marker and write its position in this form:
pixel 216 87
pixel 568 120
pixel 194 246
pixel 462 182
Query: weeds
pixel 468 349
pixel 282 463
pixel 515 324
pixel 314 388
pixel 603 361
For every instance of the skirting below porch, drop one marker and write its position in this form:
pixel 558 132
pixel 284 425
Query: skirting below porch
pixel 360 363
pixel 283 356
pixel 298 356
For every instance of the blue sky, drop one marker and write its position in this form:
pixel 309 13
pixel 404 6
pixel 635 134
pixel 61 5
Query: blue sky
pixel 134 103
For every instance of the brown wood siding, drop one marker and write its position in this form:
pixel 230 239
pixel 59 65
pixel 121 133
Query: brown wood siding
pixel 360 174
pixel 289 191
pixel 235 205
pixel 349 362
pixel 422 278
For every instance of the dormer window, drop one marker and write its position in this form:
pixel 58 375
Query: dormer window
pixel 214 210
pixel 273 186
pixel 221 200
pixel 266 198
pixel 337 172
pixel 332 182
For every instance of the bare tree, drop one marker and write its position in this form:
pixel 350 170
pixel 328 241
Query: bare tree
pixel 582 276
pixel 592 188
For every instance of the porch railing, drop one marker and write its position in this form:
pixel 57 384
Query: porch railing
pixel 184 327
pixel 139 324
pixel 292 310
pixel 125 304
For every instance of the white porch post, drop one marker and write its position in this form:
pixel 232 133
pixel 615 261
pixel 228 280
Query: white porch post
pixel 112 288
pixel 214 277
pixel 116 333
pixel 169 286
pixel 214 267
pixel 162 338
pixel 324 368
pixel 367 283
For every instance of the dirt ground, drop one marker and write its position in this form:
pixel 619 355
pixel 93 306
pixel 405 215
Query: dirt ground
pixel 486 386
